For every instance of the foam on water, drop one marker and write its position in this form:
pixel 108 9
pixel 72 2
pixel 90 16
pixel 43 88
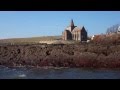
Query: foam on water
pixel 22 75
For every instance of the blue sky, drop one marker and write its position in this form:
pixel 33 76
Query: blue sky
pixel 18 24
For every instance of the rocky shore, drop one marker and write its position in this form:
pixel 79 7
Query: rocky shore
pixel 75 55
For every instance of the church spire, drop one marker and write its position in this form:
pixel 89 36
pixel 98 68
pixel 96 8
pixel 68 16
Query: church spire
pixel 72 23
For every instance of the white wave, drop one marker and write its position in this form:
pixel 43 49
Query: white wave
pixel 22 75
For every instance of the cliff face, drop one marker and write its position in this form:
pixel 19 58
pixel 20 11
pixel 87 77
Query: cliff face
pixel 60 55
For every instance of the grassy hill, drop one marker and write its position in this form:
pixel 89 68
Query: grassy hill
pixel 30 40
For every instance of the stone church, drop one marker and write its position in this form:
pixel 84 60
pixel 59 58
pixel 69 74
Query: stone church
pixel 73 32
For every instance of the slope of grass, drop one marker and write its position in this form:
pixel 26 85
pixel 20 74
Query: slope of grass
pixel 30 40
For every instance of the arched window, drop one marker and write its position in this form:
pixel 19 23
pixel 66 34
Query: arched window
pixel 77 36
pixel 73 36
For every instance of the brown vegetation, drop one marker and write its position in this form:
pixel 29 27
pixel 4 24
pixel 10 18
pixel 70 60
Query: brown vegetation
pixel 103 52
pixel 87 55
pixel 107 39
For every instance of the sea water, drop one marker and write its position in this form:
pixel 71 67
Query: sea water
pixel 59 73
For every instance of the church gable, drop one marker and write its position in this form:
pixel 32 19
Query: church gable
pixel 83 34
pixel 83 29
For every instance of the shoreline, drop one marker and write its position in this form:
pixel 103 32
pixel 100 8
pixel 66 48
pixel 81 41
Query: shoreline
pixel 59 68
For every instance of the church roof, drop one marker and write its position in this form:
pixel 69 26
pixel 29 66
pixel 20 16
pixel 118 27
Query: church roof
pixel 77 29
pixel 67 30
pixel 73 28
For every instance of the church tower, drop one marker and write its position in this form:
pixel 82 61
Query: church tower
pixel 72 25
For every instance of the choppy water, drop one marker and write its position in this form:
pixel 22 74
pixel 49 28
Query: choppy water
pixel 66 73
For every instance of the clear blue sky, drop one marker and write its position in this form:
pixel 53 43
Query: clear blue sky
pixel 17 24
